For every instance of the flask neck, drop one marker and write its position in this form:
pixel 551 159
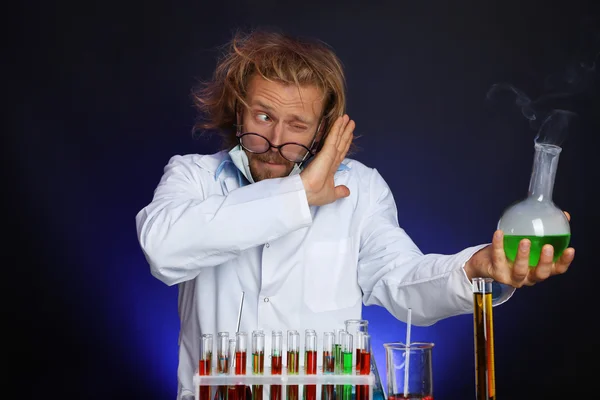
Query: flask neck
pixel 545 164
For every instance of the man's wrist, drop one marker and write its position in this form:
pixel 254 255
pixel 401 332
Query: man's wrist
pixel 476 266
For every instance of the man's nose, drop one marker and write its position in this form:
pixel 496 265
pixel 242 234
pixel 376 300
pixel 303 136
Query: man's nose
pixel 277 134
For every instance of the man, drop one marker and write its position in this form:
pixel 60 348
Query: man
pixel 282 215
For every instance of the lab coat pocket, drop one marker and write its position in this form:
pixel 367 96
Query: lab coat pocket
pixel 330 275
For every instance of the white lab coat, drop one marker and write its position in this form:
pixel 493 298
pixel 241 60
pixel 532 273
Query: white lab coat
pixel 301 267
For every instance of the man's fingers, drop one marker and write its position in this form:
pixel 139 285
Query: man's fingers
pixel 341 191
pixel 341 128
pixel 520 268
pixel 345 135
pixel 346 139
pixel 562 264
pixel 544 268
pixel 498 255
pixel 333 136
pixel 568 216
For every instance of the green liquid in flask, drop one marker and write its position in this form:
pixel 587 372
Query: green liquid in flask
pixel 559 242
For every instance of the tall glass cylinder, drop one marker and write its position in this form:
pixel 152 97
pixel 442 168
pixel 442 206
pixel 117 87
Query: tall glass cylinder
pixel 483 322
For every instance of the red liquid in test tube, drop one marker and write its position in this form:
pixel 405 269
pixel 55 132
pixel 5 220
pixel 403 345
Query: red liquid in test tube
pixel 310 362
pixel 328 364
pixel 205 364
pixel 362 391
pixel 241 343
pixel 258 362
pixel 276 364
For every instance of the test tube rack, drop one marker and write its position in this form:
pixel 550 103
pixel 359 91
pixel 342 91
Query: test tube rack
pixel 284 379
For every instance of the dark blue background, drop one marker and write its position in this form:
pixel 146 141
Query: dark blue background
pixel 99 101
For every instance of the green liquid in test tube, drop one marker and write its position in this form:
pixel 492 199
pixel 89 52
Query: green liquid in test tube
pixel 347 365
pixel 340 334
pixel 337 350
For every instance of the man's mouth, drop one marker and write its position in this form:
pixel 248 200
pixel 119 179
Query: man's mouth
pixel 272 162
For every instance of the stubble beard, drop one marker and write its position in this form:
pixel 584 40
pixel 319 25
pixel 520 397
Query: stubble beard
pixel 260 172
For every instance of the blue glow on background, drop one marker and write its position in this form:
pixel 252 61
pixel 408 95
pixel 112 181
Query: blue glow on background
pixel 104 104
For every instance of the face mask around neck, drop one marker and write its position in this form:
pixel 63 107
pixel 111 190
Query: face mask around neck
pixel 240 160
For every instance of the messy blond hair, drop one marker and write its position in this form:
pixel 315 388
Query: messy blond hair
pixel 276 57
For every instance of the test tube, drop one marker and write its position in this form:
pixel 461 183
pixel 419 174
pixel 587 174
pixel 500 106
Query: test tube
pixel 328 363
pixel 258 352
pixel 205 363
pixel 337 346
pixel 310 362
pixel 276 362
pixel 258 361
pixel 362 391
pixel 341 335
pixel 353 327
pixel 222 361
pixel 347 354
pixel 485 383
pixel 328 353
pixel 222 353
pixel 232 347
pixel 293 351
pixel 241 353
pixel 276 352
pixel 231 389
pixel 362 325
pixel 357 336
pixel 310 351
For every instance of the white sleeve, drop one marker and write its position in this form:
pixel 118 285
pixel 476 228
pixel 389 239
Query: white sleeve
pixel 395 274
pixel 183 229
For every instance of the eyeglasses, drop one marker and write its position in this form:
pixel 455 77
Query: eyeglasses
pixel 258 144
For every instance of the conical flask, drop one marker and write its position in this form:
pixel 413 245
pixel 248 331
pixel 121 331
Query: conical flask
pixel 536 217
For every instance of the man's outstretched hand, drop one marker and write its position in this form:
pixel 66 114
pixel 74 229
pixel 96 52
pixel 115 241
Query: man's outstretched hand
pixel 491 262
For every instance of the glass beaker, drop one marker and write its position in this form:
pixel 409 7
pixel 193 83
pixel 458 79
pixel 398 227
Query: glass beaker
pixel 355 327
pixel 409 371
pixel 536 217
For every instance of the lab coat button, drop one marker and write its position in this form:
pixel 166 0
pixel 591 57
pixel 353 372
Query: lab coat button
pixel 266 299
pixel 267 245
